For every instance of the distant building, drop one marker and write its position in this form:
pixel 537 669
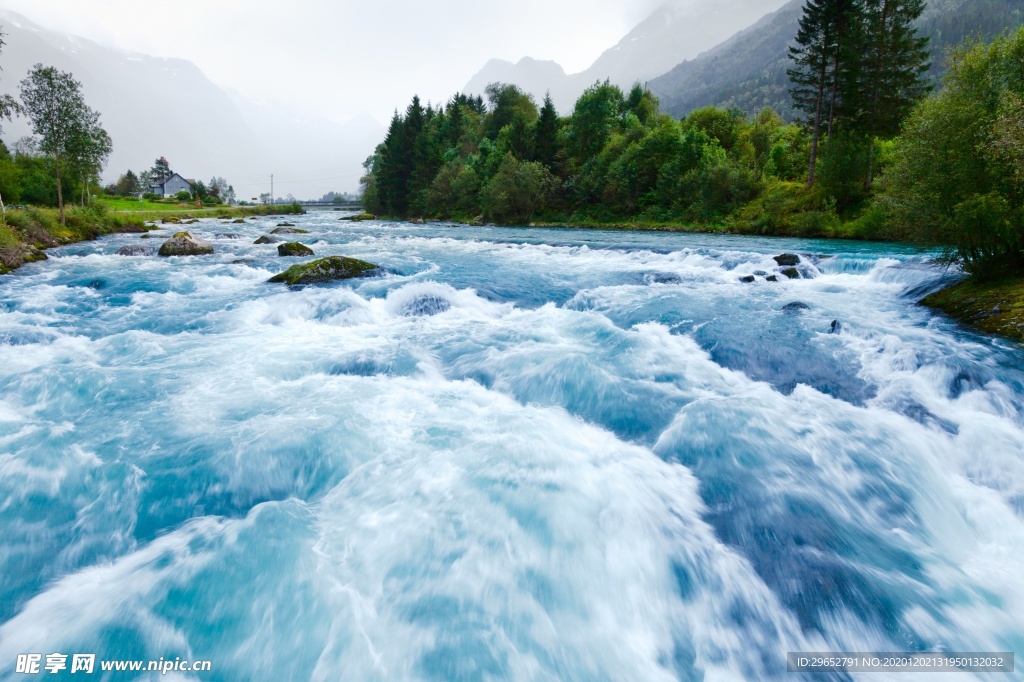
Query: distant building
pixel 171 186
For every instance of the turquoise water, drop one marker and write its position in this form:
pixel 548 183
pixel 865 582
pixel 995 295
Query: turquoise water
pixel 517 454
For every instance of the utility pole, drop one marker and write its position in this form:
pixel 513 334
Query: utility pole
pixel 271 189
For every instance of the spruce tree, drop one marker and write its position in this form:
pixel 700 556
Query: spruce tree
pixel 820 65
pixel 893 64
pixel 546 140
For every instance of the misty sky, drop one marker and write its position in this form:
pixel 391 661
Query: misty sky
pixel 341 57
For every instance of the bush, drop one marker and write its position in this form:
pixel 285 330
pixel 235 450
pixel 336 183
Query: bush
pixel 517 191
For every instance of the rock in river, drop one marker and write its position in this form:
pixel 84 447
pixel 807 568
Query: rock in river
pixel 265 239
pixel 184 244
pixel 289 230
pixel 134 250
pixel 294 249
pixel 787 259
pixel 324 270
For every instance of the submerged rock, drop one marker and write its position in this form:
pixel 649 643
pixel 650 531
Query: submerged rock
pixel 286 224
pixel 359 218
pixel 228 235
pixel 266 240
pixel 184 244
pixel 242 261
pixel 238 221
pixel 837 327
pixel 748 279
pixel 771 278
pixel 289 230
pixel 134 250
pixel 294 249
pixel 787 259
pixel 324 270
pixel 795 307
pixel 792 273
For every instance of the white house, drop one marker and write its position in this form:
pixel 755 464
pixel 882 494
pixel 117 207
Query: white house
pixel 171 186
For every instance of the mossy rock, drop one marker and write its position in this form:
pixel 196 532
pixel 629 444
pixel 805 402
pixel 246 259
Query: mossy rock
pixel 184 244
pixel 787 259
pixel 289 230
pixel 996 308
pixel 266 239
pixel 238 221
pixel 294 249
pixel 171 221
pixel 324 270
pixel 359 218
pixel 286 224
pixel 792 273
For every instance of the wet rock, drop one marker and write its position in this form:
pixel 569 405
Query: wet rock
pixel 184 244
pixel 134 250
pixel 837 327
pixel 238 221
pixel 760 273
pixel 426 306
pixel 417 221
pixel 792 273
pixel 133 228
pixel 748 279
pixel 266 239
pixel 787 259
pixel 358 218
pixel 228 235
pixel 289 230
pixel 771 278
pixel 795 307
pixel 242 261
pixel 294 249
pixel 324 270
pixel 193 221
pixel 286 224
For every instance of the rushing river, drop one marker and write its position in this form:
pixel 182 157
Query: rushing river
pixel 517 454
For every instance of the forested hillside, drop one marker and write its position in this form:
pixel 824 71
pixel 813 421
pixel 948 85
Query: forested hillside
pixel 749 70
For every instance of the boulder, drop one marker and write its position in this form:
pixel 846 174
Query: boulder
pixel 171 221
pixel 289 230
pixel 359 218
pixel 787 259
pixel 286 224
pixel 238 221
pixel 184 244
pixel 416 221
pixel 134 250
pixel 294 249
pixel 837 327
pixel 771 278
pixel 324 270
pixel 242 261
pixel 749 279
pixel 792 273
pixel 265 239
pixel 795 307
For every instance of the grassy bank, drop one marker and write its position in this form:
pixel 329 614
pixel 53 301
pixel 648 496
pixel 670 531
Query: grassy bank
pixel 28 233
pixel 996 308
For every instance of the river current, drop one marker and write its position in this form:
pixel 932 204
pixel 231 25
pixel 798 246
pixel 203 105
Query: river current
pixel 514 455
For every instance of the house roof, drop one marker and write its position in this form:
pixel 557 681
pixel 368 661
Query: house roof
pixel 168 179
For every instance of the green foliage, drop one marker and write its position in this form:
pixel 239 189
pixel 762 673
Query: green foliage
pixel 954 172
pixel 517 191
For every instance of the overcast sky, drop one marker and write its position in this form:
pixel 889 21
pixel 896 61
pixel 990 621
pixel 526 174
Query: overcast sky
pixel 341 57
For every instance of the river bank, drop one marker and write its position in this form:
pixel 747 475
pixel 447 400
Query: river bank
pixel 29 232
pixel 995 308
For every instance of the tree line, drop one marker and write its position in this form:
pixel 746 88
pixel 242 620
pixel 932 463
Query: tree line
pixel 131 184
pixel 871 157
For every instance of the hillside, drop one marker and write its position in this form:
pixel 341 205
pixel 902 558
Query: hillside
pixel 673 32
pixel 156 107
pixel 748 71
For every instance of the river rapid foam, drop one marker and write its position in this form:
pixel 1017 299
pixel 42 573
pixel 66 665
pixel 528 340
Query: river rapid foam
pixel 517 454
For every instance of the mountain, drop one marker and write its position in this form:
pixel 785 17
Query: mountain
pixel 748 71
pixel 672 33
pixel 156 107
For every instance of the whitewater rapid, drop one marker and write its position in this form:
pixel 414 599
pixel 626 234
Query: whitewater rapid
pixel 516 455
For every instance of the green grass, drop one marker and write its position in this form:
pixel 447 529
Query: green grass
pixel 133 205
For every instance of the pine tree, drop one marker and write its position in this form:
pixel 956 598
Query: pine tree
pixel 894 62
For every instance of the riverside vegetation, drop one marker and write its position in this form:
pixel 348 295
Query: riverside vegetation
pixel 875 156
